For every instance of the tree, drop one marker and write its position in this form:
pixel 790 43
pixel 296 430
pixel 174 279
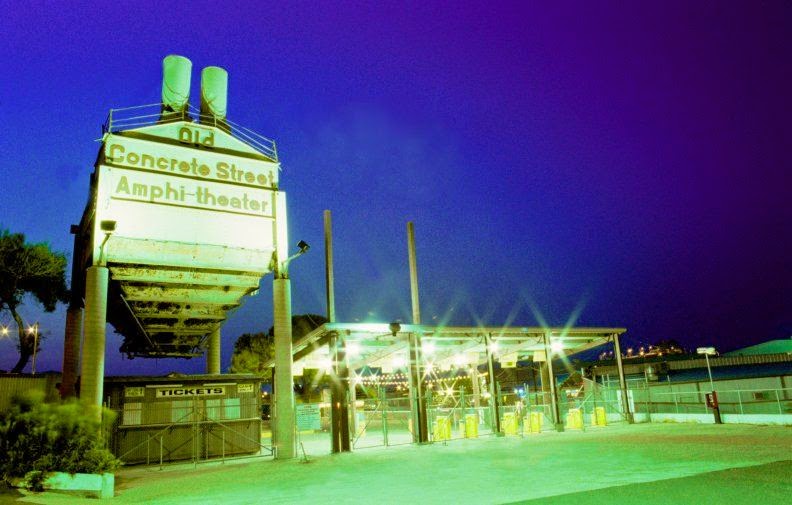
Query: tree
pixel 253 350
pixel 29 269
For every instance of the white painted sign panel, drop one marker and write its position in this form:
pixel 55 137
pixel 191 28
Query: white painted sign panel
pixel 173 203
pixel 308 417
pixel 179 392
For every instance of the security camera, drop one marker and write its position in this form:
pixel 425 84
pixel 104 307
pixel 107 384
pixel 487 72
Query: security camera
pixel 303 246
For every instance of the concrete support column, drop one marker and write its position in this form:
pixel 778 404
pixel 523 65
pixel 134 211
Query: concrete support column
pixel 283 397
pixel 493 390
pixel 92 381
pixel 417 399
pixel 554 411
pixel 622 382
pixel 213 353
pixel 71 351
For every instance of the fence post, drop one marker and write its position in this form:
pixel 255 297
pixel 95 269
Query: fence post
pixel 383 408
pixel 160 452
pixel 224 446
pixel 739 400
pixel 778 401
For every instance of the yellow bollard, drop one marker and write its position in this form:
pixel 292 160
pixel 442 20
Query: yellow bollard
pixel 442 429
pixel 602 419
pixel 471 426
pixel 509 423
pixel 533 423
pixel 574 420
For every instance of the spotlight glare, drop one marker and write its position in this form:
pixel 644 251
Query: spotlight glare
pixel 352 348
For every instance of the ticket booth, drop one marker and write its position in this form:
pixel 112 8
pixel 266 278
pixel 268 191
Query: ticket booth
pixel 184 417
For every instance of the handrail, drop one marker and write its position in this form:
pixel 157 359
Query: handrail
pixel 120 119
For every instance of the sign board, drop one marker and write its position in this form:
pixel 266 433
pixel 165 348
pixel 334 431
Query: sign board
pixel 134 392
pixel 309 417
pixel 165 191
pixel 509 360
pixel 180 392
pixel 244 388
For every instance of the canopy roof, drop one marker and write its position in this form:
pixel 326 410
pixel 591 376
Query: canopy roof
pixel 385 345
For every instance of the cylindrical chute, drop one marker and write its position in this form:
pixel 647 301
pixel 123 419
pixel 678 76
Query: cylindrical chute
pixel 176 72
pixel 214 93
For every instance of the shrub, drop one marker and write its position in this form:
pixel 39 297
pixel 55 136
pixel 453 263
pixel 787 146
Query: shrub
pixel 38 437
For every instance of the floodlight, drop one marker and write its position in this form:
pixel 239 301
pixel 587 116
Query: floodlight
pixel 557 346
pixel 326 363
pixel 395 328
pixel 428 347
pixel 303 246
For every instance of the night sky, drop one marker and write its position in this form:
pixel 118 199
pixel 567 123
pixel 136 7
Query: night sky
pixel 625 162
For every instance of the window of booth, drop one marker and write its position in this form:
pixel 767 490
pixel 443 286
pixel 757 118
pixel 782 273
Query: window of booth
pixel 232 409
pixel 132 413
pixel 181 411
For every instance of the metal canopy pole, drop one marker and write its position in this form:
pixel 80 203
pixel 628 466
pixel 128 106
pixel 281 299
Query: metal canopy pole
pixel 559 426
pixel 418 405
pixel 339 413
pixel 493 390
pixel 622 382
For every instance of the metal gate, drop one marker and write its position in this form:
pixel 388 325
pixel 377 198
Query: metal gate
pixel 194 430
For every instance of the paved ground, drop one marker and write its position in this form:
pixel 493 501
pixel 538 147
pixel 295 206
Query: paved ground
pixel 646 464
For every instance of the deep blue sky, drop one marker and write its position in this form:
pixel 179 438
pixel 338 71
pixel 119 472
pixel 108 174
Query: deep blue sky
pixel 627 159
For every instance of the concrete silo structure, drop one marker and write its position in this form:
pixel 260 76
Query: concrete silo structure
pixel 183 218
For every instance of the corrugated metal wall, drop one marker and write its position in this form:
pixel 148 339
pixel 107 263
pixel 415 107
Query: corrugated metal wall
pixel 149 426
pixel 11 385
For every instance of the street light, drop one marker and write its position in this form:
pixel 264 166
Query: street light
pixel 34 331
pixel 706 351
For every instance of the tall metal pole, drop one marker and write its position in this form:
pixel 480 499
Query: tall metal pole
pixel 416 360
pixel 339 410
pixel 493 389
pixel 35 347
pixel 416 306
pixel 329 278
pixel 622 382
pixel 709 371
pixel 559 426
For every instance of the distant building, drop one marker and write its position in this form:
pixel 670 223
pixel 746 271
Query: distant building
pixel 781 346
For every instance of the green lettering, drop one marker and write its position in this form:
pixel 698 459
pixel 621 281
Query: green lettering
pixel 140 190
pixel 123 185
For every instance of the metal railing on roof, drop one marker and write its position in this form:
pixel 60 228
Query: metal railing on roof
pixel 128 118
